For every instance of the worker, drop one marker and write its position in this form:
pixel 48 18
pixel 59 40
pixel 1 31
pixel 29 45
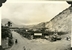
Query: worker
pixel 16 41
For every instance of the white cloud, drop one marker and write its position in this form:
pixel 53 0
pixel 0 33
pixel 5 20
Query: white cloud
pixel 32 13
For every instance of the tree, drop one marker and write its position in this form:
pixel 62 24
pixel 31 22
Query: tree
pixel 9 24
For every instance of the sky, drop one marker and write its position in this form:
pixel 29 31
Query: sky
pixel 28 13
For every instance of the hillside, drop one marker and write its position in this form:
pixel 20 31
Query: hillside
pixel 61 22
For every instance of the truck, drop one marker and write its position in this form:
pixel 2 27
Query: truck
pixel 54 37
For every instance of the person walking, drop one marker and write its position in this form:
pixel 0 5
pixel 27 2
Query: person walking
pixel 16 41
pixel 24 48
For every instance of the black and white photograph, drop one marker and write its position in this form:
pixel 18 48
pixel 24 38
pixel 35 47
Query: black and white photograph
pixel 36 25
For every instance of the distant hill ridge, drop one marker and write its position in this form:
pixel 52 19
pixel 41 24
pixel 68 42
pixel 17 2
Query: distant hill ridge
pixel 4 21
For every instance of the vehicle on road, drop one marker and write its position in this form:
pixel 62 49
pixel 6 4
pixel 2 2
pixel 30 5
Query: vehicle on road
pixel 54 37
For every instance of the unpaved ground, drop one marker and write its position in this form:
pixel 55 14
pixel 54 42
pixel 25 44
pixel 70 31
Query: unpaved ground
pixel 38 44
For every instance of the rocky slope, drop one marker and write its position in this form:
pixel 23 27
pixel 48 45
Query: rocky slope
pixel 61 22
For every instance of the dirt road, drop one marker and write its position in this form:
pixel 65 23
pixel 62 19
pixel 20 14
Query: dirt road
pixel 21 42
pixel 39 44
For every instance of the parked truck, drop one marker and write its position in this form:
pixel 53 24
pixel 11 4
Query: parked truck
pixel 54 37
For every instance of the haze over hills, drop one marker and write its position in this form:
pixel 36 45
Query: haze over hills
pixel 40 25
pixel 4 21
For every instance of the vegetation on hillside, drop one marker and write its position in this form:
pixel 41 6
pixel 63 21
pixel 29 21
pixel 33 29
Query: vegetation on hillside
pixel 6 34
